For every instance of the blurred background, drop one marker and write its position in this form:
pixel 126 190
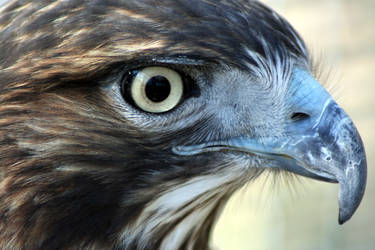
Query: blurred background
pixel 302 215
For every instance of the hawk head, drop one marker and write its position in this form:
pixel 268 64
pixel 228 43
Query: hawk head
pixel 129 124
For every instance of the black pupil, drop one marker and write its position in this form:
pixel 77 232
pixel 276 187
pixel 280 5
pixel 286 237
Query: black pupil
pixel 158 88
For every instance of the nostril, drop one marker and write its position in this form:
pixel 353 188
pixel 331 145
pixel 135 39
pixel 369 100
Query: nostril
pixel 299 116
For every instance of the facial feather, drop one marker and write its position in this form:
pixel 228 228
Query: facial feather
pixel 83 168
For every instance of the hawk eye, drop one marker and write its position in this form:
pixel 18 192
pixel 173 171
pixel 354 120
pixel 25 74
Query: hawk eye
pixel 155 89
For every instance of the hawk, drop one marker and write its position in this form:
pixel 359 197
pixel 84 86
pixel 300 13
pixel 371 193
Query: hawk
pixel 128 124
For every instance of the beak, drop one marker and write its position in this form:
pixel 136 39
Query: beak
pixel 325 145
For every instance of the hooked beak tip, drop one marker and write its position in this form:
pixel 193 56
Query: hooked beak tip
pixel 352 190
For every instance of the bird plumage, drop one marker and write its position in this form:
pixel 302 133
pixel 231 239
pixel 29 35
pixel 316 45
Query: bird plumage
pixel 82 168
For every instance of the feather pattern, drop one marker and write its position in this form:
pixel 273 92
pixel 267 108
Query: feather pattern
pixel 81 169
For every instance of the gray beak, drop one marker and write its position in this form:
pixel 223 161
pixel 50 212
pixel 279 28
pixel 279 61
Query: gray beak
pixel 325 146
pixel 331 151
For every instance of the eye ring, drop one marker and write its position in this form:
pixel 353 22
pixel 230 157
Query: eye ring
pixel 156 89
